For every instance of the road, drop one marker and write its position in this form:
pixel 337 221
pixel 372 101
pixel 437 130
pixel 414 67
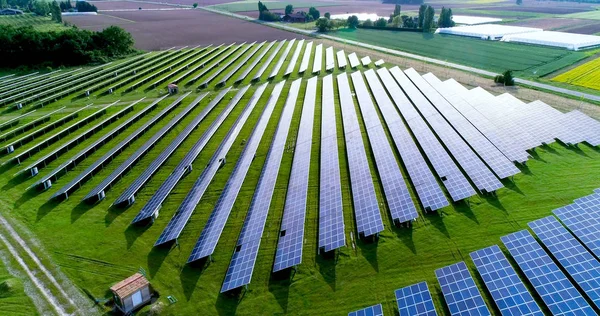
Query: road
pixel 542 86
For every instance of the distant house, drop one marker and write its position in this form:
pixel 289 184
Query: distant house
pixel 10 12
pixel 294 18
pixel 131 293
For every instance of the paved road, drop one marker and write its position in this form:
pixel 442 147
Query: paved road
pixel 478 71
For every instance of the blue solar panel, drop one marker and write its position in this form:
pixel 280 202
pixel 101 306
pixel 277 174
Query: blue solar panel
pixel 590 203
pixel 460 292
pixel 549 281
pixel 375 310
pixel 579 263
pixel 455 182
pixel 584 225
pixel 242 263
pixel 503 283
pixel 429 192
pixel 415 300
pixel 366 207
pixel 255 62
pixel 291 233
pixel 216 222
pixel 398 198
pixel 331 216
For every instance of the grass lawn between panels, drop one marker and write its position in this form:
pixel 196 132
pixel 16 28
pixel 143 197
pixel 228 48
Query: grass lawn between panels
pixel 95 246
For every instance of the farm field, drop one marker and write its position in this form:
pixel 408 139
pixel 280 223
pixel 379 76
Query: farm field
pixel 272 5
pixel 38 22
pixel 586 75
pixel 526 61
pixel 95 245
pixel 128 5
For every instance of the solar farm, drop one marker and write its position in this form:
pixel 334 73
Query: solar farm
pixel 295 177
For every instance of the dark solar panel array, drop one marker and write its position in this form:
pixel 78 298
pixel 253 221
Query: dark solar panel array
pixel 366 207
pixel 33 88
pixel 396 193
pixel 153 205
pixel 114 151
pixel 291 233
pixel 255 62
pixel 584 225
pixel 242 263
pixel 503 283
pixel 460 292
pixel 202 64
pixel 26 127
pixel 294 60
pixel 331 216
pixel 41 131
pixel 557 292
pixel 268 61
pixel 186 66
pixel 281 59
pixel 241 63
pixel 578 261
pixel 209 237
pixel 99 190
pixel 209 68
pixel 455 182
pixel 12 121
pixel 222 68
pixel 415 300
pixel 305 58
pixel 479 173
pixel 68 131
pixel 375 310
pixel 429 192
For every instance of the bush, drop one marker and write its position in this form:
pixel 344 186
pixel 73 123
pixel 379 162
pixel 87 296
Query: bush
pixel 505 78
pixel 499 79
pixel 83 6
pixel 268 16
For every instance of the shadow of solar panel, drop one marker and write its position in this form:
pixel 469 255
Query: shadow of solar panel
pixel 557 292
pixel 579 263
pixel 584 225
pixel 415 300
pixel 460 292
pixel 375 310
pixel 508 291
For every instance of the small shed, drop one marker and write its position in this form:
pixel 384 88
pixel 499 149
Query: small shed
pixel 295 18
pixel 10 12
pixel 173 88
pixel 131 293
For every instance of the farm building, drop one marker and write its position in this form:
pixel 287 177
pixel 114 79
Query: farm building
pixel 131 293
pixel 295 18
pixel 10 12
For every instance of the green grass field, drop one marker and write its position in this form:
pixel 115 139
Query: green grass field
pixel 240 6
pixel 40 23
pixel 13 297
pixel 589 15
pixel 95 247
pixel 524 60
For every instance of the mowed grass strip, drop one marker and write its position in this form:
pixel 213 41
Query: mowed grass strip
pixel 525 60
pixel 586 75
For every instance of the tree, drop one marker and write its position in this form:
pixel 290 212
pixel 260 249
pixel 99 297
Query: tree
pixel 422 10
pixel 397 21
pixel 289 9
pixel 397 10
pixel 327 15
pixel 508 78
pixel 352 21
pixel 323 24
pixel 428 19
pixel 114 41
pixel 40 8
pixel 55 11
pixel 445 19
pixel 262 7
pixel 314 13
pixel 83 6
pixel 519 2
pixel 195 5
pixel 381 22
pixel 3 4
pixel 368 22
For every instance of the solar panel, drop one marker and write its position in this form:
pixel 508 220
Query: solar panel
pixel 294 60
pixel 341 59
pixel 460 292
pixel 479 173
pixel 226 65
pixel 223 54
pixel 554 122
pixel 305 58
pixel 281 59
pixel 584 225
pixel 589 203
pixel 511 150
pixel 429 192
pixel 366 207
pixel 396 193
pixel 329 59
pixel 366 61
pixel 379 63
pixel 375 310
pixel 536 122
pixel 128 195
pixel 99 191
pixel 268 61
pixel 216 222
pixel 203 63
pixel 549 281
pixel 455 182
pixel 579 263
pixel 354 62
pixel 445 103
pixel 317 63
pixel 255 62
pixel 242 263
pixel 331 216
pixel 503 283
pixel 241 63
pixel 4 125
pixel 586 126
pixel 30 125
pixel 291 233
pixel 186 66
pixel 415 300
pixel 26 90
pixel 112 152
pixel 153 205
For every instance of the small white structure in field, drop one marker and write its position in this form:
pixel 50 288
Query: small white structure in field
pixel 131 293
pixel 379 63
pixel 487 31
pixel 555 39
pixel 366 61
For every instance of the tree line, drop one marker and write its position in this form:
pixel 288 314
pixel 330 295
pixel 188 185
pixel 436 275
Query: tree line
pixel 265 15
pixel 45 8
pixel 25 46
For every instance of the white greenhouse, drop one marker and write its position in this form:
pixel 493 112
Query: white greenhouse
pixel 556 39
pixel 487 31
pixel 472 20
